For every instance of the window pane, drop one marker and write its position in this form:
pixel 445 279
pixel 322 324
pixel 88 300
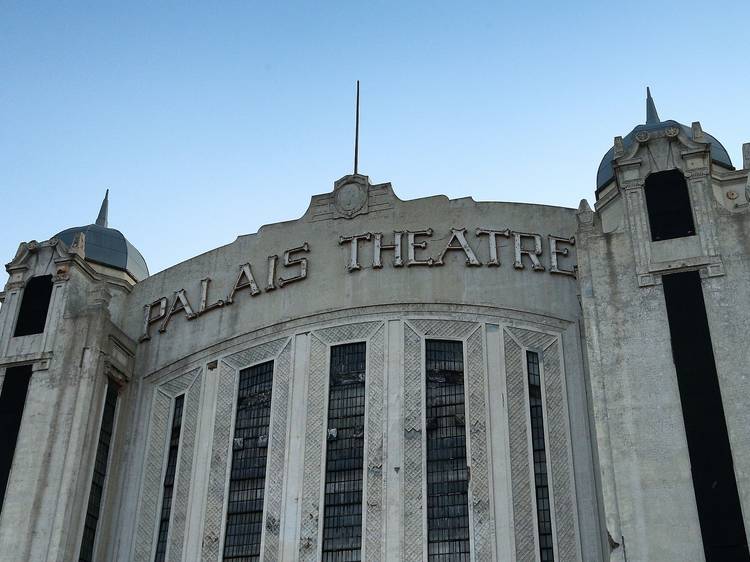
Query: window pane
pixel 249 454
pixel 169 476
pixel 342 517
pixel 543 512
pixel 100 474
pixel 447 471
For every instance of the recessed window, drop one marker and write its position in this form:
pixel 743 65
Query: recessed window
pixel 93 511
pixel 709 448
pixel 447 469
pixel 670 212
pixel 247 481
pixel 539 451
pixel 12 400
pixel 169 479
pixel 34 305
pixel 342 516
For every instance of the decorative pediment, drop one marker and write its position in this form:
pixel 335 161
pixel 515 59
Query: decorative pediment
pixel 28 255
pixel 665 148
pixel 352 195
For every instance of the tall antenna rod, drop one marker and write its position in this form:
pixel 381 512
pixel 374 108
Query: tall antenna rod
pixel 356 134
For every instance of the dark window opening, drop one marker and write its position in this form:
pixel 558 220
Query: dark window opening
pixel 247 481
pixel 539 451
pixel 342 516
pixel 33 311
pixel 716 496
pixel 100 474
pixel 447 469
pixel 670 212
pixel 12 401
pixel 169 478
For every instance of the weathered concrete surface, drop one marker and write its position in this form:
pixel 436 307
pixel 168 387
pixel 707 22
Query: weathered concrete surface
pixel 96 320
pixel 643 458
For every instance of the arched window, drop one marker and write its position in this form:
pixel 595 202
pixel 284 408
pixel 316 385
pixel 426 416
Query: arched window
pixel 669 209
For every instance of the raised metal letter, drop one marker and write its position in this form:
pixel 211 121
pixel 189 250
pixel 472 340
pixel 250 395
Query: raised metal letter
pixel 148 319
pixel 270 279
pixel 536 265
pixel 249 281
pixel 491 236
pixel 412 246
pixel 353 264
pixel 554 251
pixel 290 261
pixel 204 298
pixel 458 234
pixel 378 247
pixel 179 303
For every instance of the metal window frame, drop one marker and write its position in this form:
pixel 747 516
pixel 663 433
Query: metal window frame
pixel 107 478
pixel 550 487
pixel 165 460
pixel 467 407
pixel 365 442
pixel 232 425
pixel 225 514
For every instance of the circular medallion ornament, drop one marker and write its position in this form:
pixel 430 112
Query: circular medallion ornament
pixel 672 132
pixel 350 198
pixel 642 136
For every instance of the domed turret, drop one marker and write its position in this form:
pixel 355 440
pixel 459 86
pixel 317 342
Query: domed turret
pixel 108 246
pixel 606 173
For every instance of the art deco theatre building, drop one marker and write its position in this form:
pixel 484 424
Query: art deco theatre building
pixel 433 380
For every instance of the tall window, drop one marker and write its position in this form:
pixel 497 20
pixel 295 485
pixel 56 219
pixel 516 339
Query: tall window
pixel 670 212
pixel 32 314
pixel 447 470
pixel 100 475
pixel 249 454
pixel 543 511
pixel 342 516
pixel 709 448
pixel 12 400
pixel 169 475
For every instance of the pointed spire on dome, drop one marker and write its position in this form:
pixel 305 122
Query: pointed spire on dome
pixel 652 118
pixel 101 220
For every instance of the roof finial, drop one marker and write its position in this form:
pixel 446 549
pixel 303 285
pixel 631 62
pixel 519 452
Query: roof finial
pixel 652 118
pixel 101 220
pixel 356 134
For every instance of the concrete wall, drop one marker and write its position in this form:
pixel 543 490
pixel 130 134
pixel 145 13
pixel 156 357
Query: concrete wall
pixel 393 309
pixel 497 310
pixel 329 286
pixel 649 503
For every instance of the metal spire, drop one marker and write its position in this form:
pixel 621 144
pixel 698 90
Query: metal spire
pixel 356 134
pixel 652 118
pixel 101 220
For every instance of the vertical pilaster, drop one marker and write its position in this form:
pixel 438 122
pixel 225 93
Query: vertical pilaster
pixel 394 444
pixel 291 498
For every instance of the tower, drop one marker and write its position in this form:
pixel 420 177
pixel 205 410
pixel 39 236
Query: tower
pixel 64 372
pixel 663 264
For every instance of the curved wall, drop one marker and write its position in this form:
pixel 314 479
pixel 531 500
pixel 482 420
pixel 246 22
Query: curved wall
pixel 497 312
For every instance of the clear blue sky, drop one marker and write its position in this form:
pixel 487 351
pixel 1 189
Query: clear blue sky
pixel 207 120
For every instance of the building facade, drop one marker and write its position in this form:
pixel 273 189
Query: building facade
pixel 386 380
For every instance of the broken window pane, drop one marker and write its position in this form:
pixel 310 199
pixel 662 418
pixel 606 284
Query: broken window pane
pixel 342 517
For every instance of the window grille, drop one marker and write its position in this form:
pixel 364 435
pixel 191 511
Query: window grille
pixel 342 516
pixel 447 470
pixel 543 511
pixel 249 454
pixel 100 474
pixel 169 476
